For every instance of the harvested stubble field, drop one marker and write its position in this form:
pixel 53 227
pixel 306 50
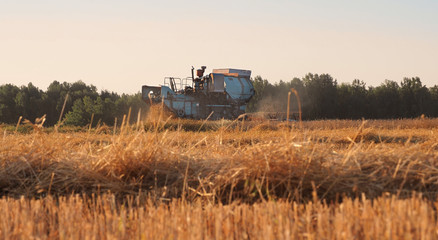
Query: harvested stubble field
pixel 232 180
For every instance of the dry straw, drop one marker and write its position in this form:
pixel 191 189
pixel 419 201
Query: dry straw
pixel 102 217
pixel 227 164
pixel 327 180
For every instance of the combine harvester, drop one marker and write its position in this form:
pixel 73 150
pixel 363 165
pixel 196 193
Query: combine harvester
pixel 224 93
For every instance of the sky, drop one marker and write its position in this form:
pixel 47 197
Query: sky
pixel 121 45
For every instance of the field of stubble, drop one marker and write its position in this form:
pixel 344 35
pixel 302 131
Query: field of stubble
pixel 223 180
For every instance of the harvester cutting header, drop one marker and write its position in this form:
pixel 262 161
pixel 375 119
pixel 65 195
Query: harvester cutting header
pixel 224 93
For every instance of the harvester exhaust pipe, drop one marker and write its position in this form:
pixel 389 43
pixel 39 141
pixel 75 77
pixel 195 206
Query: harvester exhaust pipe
pixel 193 74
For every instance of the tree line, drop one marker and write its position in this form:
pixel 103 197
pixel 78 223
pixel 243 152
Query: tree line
pixel 82 102
pixel 321 98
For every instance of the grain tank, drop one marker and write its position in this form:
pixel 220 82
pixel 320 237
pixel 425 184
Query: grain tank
pixel 224 93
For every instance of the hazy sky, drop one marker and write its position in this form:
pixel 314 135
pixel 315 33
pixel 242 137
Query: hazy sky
pixel 121 45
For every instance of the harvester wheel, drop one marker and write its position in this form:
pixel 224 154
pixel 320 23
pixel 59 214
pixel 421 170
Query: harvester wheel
pixel 180 113
pixel 235 113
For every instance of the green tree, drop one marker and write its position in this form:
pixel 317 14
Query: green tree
pixel 385 100
pixel 8 109
pixel 83 110
pixel 321 91
pixel 353 100
pixel 109 111
pixel 414 97
pixel 130 101
pixel 78 115
pixel 56 93
pixel 433 109
pixel 30 102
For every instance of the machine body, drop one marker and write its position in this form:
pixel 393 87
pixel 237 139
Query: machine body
pixel 224 93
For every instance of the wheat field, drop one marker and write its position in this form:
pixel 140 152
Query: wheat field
pixel 181 179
